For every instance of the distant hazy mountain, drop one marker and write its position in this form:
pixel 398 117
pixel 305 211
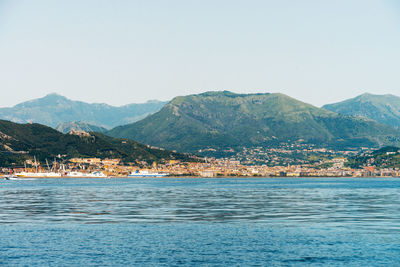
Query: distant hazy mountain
pixel 53 110
pixel 224 119
pixel 381 108
pixel 19 141
pixel 79 126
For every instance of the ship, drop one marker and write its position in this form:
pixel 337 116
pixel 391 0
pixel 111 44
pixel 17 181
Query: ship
pixel 140 174
pixel 76 174
pixel 51 173
pixel 38 174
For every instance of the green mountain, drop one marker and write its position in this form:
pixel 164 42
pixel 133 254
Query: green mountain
pixel 381 108
pixel 21 141
pixel 79 126
pixel 53 110
pixel 219 120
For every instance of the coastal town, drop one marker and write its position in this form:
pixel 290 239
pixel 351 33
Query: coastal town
pixel 294 159
pixel 207 167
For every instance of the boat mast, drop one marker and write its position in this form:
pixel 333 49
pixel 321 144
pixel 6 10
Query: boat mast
pixel 35 164
pixel 54 165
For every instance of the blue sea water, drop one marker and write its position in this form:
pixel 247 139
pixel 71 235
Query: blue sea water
pixel 200 222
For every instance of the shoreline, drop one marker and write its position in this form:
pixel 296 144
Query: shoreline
pixel 199 177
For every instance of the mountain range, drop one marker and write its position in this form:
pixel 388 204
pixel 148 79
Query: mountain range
pixel 20 141
pixel 220 120
pixel 381 108
pixel 53 110
pixel 223 120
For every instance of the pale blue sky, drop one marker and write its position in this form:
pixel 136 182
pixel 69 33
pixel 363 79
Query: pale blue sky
pixel 120 52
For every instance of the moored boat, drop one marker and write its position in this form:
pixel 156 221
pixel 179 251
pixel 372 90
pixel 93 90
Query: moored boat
pixel 76 174
pixel 96 174
pixel 10 177
pixel 140 173
pixel 38 174
pixel 51 173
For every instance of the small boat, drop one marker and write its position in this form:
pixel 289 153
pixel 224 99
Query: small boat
pixel 10 177
pixel 13 177
pixel 139 173
pixel 96 175
pixel 75 174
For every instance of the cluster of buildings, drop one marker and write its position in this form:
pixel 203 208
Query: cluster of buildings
pixel 234 168
pixel 225 168
pixel 284 154
pixel 291 161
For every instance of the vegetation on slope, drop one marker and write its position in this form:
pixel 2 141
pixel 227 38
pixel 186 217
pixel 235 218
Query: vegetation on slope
pixel 79 126
pixel 224 119
pixel 20 141
pixel 386 157
pixel 381 108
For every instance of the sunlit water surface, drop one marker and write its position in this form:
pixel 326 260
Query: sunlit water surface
pixel 195 222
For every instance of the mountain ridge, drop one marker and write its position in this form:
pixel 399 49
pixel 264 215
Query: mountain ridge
pixel 221 119
pixel 384 109
pixel 54 109
pixel 19 141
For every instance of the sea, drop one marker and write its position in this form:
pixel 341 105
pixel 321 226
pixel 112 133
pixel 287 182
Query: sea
pixel 200 222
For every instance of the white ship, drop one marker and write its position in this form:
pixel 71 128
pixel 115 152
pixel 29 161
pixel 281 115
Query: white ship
pixel 51 173
pixel 38 174
pixel 76 174
pixel 147 174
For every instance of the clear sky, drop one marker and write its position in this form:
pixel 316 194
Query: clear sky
pixel 120 52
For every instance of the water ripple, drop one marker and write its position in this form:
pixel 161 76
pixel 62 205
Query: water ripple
pixel 333 202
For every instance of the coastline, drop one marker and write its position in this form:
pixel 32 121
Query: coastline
pixel 200 177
